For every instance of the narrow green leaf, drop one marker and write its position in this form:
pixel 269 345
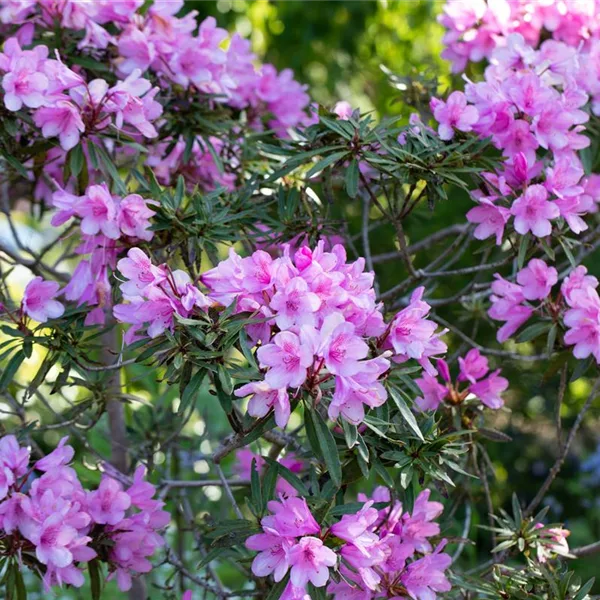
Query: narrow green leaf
pixel 351 179
pixel 533 331
pixel 326 448
pixel 12 367
pixel 406 413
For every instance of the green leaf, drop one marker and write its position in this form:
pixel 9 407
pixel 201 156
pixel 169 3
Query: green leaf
pixel 76 160
pixel 290 477
pixel 325 445
pixel 277 589
pixel 551 339
pixel 406 413
pixel 516 507
pixel 325 162
pixel 585 589
pixel 523 247
pixel 351 179
pixel 12 367
pixel 95 579
pixel 350 433
pixel 190 393
pixel 533 331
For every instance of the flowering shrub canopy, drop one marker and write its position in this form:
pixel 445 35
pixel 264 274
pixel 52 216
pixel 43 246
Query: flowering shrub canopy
pixel 214 269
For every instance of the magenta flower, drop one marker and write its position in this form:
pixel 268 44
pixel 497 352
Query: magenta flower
pixel 61 455
pixel 264 398
pixel 107 504
pixel 98 212
pixel 133 217
pixel 533 212
pixel 410 331
pixel 537 279
pixel 340 346
pixel 583 322
pixel 288 358
pixel 38 300
pixel 425 576
pixel 12 456
pixel 473 366
pixel 577 280
pixel 453 114
pixel 309 560
pixel 491 220
pixel 343 110
pixel 52 539
pixel 506 306
pixel 273 554
pixel 433 392
pixel 291 518
pixel 24 84
pixel 62 119
pixel 258 271
pixel 294 304
pixel 488 390
pixel 140 272
pixel 354 528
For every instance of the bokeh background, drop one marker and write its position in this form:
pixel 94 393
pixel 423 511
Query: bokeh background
pixel 342 51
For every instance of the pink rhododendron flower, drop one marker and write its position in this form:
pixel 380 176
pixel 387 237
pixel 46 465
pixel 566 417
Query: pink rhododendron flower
pixel 107 504
pixel 488 390
pixel 433 392
pixel 288 358
pixel 491 220
pixel 453 114
pixel 473 366
pixel 343 110
pixel 309 560
pixel 537 279
pixel 264 398
pixel 38 300
pixel 533 212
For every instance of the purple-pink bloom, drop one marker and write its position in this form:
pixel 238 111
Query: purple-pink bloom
pixel 287 358
pixel 107 504
pixel 290 517
pixel 98 212
pixel 309 560
pixel 533 212
pixel 425 576
pixel 295 304
pixel 490 219
pixel 488 390
pixel 473 366
pixel 133 217
pixel 536 279
pixel 264 398
pixel 62 119
pixel 38 300
pixel 433 392
pixel 453 114
pixel 273 554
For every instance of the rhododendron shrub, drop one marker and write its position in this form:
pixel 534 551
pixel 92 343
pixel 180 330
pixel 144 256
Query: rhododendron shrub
pixel 245 357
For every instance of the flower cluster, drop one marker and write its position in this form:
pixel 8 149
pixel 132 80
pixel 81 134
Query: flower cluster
pixel 65 105
pixel 155 295
pixel 319 320
pixel 103 219
pixel 383 553
pixel 531 106
pixel 476 28
pixel 180 53
pixel 473 373
pixel 578 303
pixel 55 525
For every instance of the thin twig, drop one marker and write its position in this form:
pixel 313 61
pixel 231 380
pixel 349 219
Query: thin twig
pixel 554 471
pixel 228 491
